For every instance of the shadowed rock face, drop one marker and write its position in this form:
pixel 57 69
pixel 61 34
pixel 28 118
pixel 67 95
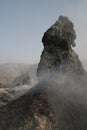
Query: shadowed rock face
pixel 58 55
pixel 63 29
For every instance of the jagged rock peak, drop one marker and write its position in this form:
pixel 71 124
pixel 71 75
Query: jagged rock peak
pixel 58 54
pixel 63 29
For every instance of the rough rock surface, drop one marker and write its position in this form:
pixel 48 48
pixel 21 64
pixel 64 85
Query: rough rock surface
pixel 23 79
pixel 43 109
pixel 22 83
pixel 32 111
pixel 5 96
pixel 58 54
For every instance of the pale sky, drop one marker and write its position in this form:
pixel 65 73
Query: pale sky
pixel 23 23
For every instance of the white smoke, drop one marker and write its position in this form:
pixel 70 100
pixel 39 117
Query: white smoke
pixel 69 86
pixel 18 91
pixel 67 94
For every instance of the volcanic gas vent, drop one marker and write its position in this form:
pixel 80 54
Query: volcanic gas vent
pixel 58 54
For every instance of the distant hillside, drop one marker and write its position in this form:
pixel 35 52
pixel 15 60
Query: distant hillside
pixel 9 72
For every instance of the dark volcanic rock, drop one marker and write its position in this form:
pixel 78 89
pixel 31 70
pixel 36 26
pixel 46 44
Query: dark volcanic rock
pixel 58 54
pixel 43 109
pixel 33 111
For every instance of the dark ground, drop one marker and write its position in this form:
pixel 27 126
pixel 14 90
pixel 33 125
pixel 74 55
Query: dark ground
pixel 42 109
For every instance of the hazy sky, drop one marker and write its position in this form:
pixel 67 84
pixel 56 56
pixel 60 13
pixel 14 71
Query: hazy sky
pixel 23 22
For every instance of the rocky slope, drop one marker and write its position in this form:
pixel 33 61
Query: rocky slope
pixel 22 80
pixel 14 79
pixel 45 108
pixel 5 96
pixel 9 72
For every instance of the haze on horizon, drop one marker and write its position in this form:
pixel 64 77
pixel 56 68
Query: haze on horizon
pixel 23 23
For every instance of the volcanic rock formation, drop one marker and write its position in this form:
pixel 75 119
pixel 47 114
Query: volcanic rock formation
pixel 52 104
pixel 58 55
